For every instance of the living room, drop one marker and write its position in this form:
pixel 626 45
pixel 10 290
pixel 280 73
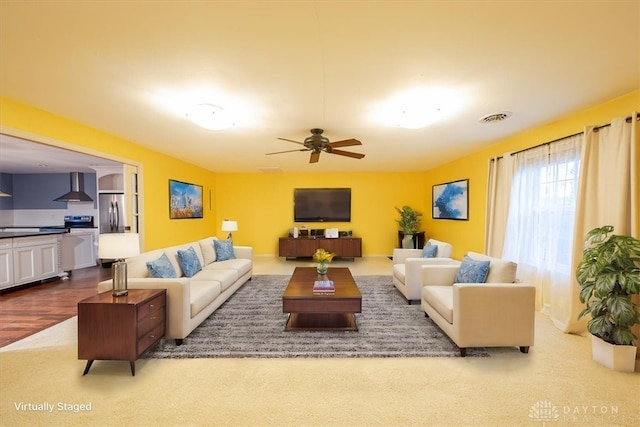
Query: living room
pixel 506 388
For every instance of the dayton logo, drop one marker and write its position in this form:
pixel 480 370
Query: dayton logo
pixel 544 411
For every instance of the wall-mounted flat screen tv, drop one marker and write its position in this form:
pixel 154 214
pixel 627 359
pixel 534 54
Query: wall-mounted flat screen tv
pixel 322 205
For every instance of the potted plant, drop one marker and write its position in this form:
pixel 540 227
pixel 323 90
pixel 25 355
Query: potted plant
pixel 409 222
pixel 609 274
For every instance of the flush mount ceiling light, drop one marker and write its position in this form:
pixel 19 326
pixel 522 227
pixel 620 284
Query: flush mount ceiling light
pixel 497 117
pixel 419 107
pixel 210 117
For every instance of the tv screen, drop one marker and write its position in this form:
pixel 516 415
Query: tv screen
pixel 322 205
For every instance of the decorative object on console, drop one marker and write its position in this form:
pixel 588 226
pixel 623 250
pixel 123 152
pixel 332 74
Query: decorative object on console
pixel 229 226
pixel 409 222
pixel 323 258
pixel 118 246
pixel 608 278
pixel 451 200
pixel 185 200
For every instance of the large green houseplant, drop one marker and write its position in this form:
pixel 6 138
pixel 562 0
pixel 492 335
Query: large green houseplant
pixel 409 223
pixel 409 220
pixel 609 274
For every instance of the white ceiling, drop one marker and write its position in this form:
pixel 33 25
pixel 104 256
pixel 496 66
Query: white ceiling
pixel 285 67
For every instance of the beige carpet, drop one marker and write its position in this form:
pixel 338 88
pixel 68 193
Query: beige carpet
pixel 507 389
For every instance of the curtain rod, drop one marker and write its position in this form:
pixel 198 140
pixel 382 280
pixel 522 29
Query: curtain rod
pixel 595 129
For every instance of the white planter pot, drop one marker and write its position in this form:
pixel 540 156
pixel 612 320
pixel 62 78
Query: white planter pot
pixel 407 241
pixel 616 357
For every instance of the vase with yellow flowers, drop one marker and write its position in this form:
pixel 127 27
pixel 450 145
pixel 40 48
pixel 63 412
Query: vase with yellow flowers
pixel 323 258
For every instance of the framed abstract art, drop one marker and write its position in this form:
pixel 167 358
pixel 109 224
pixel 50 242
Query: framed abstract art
pixel 451 200
pixel 185 200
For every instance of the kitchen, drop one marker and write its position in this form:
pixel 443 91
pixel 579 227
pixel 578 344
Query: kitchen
pixel 49 222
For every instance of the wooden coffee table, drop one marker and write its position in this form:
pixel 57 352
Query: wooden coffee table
pixel 317 311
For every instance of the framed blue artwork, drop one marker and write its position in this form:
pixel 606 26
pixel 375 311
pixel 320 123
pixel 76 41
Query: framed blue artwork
pixel 451 200
pixel 185 200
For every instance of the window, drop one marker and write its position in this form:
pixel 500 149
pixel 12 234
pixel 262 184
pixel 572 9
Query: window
pixel 542 206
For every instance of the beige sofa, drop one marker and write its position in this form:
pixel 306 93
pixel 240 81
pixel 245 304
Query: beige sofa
pixel 190 300
pixel 407 272
pixel 498 313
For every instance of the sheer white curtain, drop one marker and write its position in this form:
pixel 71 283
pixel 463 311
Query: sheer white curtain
pixel 607 195
pixel 539 232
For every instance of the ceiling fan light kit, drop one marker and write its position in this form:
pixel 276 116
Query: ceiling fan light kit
pixel 316 143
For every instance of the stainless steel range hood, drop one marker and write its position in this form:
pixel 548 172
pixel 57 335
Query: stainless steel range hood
pixel 77 193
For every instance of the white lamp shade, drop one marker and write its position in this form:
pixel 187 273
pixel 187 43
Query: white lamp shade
pixel 118 245
pixel 229 225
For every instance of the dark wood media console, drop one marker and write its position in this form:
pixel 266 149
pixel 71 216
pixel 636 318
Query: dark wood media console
pixel 343 247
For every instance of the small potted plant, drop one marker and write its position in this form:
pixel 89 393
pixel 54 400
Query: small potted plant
pixel 609 274
pixel 323 258
pixel 409 223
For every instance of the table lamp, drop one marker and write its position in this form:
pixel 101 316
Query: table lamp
pixel 229 226
pixel 118 246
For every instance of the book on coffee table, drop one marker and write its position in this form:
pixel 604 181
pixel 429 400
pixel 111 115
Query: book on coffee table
pixel 323 286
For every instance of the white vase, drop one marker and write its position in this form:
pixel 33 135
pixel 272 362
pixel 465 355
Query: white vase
pixel 407 241
pixel 616 357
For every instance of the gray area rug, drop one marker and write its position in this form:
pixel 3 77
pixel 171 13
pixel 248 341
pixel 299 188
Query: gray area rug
pixel 251 324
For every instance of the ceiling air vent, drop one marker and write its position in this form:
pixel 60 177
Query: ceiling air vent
pixel 497 117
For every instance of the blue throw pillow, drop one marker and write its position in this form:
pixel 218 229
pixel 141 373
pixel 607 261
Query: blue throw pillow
pixel 224 250
pixel 161 268
pixel 189 262
pixel 429 250
pixel 472 271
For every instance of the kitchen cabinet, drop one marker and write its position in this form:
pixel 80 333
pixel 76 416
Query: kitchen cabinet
pixel 35 258
pixel 6 263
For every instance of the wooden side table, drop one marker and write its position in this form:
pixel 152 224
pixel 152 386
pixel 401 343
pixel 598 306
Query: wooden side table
pixel 120 328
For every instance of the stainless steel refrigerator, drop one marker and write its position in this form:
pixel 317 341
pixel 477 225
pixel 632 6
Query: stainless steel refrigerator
pixel 111 207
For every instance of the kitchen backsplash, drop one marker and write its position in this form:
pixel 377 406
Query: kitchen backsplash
pixel 43 217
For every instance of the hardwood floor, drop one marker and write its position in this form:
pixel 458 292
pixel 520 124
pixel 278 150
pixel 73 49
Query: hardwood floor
pixel 25 311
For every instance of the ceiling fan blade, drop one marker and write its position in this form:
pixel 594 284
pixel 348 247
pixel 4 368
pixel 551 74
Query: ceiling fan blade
pixel 345 143
pixel 314 157
pixel 347 153
pixel 288 151
pixel 291 140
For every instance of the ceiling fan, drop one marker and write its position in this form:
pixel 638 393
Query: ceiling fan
pixel 316 143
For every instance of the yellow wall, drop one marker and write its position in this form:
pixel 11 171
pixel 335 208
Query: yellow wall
pixel 157 169
pixel 262 203
pixel 469 235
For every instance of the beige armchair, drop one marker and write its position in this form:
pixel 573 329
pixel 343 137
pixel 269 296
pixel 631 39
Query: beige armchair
pixel 497 313
pixel 407 275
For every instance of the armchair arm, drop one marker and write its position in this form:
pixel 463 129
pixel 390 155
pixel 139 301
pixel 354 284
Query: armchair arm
pixel 493 314
pixel 400 255
pixel 439 274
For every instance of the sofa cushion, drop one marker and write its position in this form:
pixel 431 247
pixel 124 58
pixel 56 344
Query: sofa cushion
pixel 224 250
pixel 208 250
pixel 189 261
pixel 500 270
pixel 441 299
pixel 429 250
pixel 472 271
pixel 241 265
pixel 226 277
pixel 202 293
pixel 161 268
